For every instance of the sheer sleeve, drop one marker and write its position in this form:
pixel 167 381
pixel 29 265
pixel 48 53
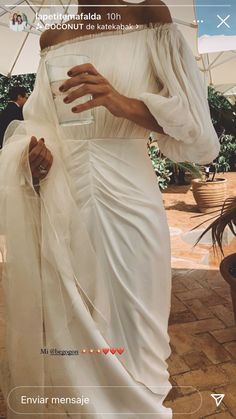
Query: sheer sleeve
pixel 44 242
pixel 181 107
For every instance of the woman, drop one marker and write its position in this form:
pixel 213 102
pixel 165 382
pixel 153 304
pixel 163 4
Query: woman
pixel 20 23
pixel 13 22
pixel 88 252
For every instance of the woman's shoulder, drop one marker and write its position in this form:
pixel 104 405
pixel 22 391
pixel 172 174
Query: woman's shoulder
pixel 157 12
pixel 48 38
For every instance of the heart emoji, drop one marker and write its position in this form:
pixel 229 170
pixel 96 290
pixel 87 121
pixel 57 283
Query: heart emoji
pixel 105 350
pixel 120 350
pixel 113 351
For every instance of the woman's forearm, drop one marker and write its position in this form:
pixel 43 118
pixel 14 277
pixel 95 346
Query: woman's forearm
pixel 136 111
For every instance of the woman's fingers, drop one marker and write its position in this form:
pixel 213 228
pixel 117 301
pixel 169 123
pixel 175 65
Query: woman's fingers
pixel 80 79
pixel 47 164
pixel 39 155
pixel 36 150
pixel 39 159
pixel 93 103
pixel 83 68
pixel 86 89
pixel 33 143
pixel 79 70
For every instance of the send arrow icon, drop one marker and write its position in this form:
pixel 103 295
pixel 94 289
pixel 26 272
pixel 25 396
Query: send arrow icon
pixel 218 398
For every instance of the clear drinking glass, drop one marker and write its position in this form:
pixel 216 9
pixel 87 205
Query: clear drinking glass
pixel 57 68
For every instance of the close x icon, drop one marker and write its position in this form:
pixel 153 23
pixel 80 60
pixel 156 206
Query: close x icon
pixel 223 21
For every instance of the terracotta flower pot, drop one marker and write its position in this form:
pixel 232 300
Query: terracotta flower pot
pixel 228 271
pixel 209 195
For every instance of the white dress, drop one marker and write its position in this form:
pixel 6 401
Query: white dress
pixel 88 262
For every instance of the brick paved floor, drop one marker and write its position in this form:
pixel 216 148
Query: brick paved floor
pixel 201 326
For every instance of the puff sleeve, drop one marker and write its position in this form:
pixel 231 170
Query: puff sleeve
pixel 181 106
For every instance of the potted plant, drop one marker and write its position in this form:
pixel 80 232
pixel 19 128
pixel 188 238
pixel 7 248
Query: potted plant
pixel 184 172
pixel 159 164
pixel 168 171
pixel 209 190
pixel 228 271
pixel 223 112
pixel 226 219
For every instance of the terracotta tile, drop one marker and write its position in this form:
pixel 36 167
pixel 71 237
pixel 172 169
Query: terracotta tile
pixel 177 305
pixel 231 348
pixel 215 299
pixel 186 405
pixel 177 285
pixel 215 280
pixel 199 326
pixel 230 369
pixel 3 412
pixel 224 313
pixel 191 282
pixel 200 310
pixel 195 293
pixel 181 342
pixel 214 351
pixel 223 292
pixel 176 365
pixel 196 360
pixel 223 415
pixel 212 376
pixel 212 281
pixel 225 335
pixel 182 317
pixel 205 350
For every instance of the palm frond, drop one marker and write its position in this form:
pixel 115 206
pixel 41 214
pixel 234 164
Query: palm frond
pixel 226 218
pixel 193 168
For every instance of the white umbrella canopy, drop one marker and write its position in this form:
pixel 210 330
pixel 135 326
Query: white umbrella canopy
pixel 18 50
pixel 216 56
pixel 220 71
pixel 20 53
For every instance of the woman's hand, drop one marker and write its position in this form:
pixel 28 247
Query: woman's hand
pixel 40 159
pixel 91 82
